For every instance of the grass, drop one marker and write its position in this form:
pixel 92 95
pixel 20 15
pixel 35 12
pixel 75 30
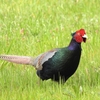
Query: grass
pixel 30 27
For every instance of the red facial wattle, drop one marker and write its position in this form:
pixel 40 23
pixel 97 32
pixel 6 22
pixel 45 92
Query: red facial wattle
pixel 82 34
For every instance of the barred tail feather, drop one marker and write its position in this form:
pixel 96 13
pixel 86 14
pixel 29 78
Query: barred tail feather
pixel 17 59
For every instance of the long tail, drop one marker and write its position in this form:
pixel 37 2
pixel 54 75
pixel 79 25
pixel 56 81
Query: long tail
pixel 18 59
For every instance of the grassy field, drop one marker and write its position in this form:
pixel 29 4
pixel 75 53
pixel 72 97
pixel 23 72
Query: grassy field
pixel 30 27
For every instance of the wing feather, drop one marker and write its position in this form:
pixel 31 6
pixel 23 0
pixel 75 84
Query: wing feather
pixel 39 60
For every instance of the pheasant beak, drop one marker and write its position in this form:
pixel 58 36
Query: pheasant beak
pixel 84 37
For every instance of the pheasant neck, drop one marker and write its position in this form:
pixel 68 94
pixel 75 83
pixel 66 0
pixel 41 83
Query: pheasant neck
pixel 74 45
